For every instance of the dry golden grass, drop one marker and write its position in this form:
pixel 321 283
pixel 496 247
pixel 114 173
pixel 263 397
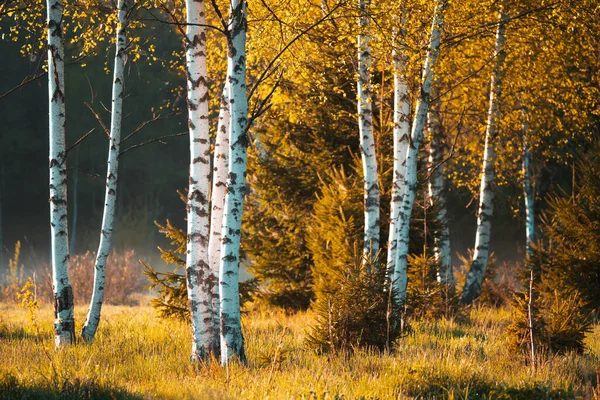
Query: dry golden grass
pixel 137 355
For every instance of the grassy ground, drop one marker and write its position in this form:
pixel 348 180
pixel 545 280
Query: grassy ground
pixel 137 355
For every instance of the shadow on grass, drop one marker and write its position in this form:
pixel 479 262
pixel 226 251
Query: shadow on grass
pixel 478 389
pixel 13 333
pixel 12 389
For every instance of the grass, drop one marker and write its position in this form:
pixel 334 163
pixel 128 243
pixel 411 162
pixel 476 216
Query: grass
pixel 137 355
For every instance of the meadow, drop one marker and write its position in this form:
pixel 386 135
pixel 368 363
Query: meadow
pixel 139 356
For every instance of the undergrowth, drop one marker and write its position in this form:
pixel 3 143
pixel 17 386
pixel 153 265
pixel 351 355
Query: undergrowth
pixel 138 355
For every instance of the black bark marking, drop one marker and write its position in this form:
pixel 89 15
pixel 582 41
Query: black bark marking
pixel 64 300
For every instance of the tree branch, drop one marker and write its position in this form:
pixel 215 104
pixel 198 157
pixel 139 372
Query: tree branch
pixel 106 130
pixel 158 139
pixel 81 139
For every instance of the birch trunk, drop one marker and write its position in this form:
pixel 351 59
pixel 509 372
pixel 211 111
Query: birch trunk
pixel 232 340
pixel 401 132
pixel 219 190
pixel 64 325
pixel 400 279
pixel 367 139
pixel 200 278
pixel 528 190
pixel 93 317
pixel 442 251
pixel 474 280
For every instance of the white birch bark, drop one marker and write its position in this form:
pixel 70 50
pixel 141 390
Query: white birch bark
pixel 528 190
pixel 200 278
pixel 401 132
pixel 400 278
pixel 367 139
pixel 474 280
pixel 64 325
pixel 232 340
pixel 110 197
pixel 442 251
pixel 219 190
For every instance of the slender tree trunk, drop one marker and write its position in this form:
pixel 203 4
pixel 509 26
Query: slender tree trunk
pixel 442 251
pixel 75 205
pixel 528 190
pixel 401 132
pixel 474 280
pixel 219 190
pixel 200 278
pixel 400 279
pixel 110 198
pixel 531 323
pixel 232 340
pixel 367 139
pixel 64 325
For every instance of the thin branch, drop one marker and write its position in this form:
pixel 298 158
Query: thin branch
pixel 81 139
pixel 453 40
pixel 263 105
pixel 466 78
pixel 86 173
pixel 158 139
pixel 145 123
pixel 224 22
pixel 174 20
pixel 451 153
pixel 290 43
pixel 27 80
pixel 106 130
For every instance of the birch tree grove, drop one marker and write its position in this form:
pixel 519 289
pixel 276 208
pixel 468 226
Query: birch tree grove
pixel 200 278
pixel 474 280
pixel 64 325
pixel 401 132
pixel 219 190
pixel 232 340
pixel 442 251
pixel 110 198
pixel 367 139
pixel 400 279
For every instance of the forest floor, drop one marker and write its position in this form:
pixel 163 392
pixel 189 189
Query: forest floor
pixel 138 355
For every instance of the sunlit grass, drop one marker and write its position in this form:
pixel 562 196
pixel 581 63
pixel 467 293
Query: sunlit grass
pixel 140 356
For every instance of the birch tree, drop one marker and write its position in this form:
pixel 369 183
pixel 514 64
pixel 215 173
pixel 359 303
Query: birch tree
pixel 64 324
pixel 400 133
pixel 399 279
pixel 472 287
pixel 367 139
pixel 219 190
pixel 232 340
pixel 200 278
pixel 436 194
pixel 110 198
pixel 528 190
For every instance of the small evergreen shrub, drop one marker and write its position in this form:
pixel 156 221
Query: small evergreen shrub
pixel 561 318
pixel 355 311
pixel 570 252
pixel 426 297
pixel 335 229
pixel 171 288
pixel 565 265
